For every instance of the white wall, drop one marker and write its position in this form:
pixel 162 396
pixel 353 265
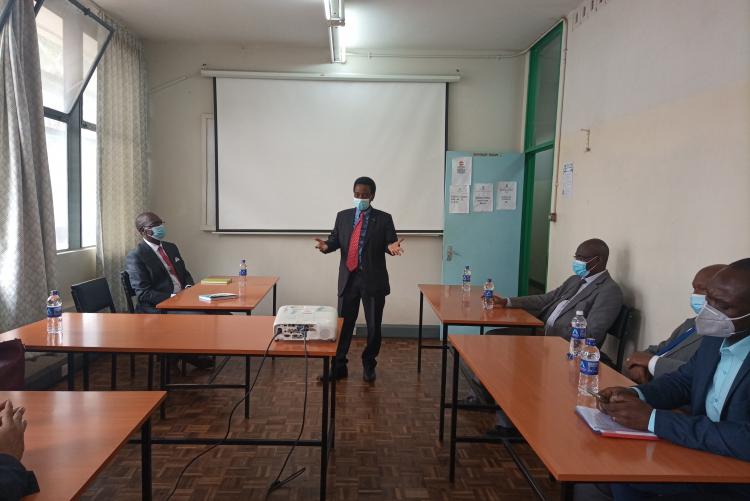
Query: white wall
pixel 665 89
pixel 485 110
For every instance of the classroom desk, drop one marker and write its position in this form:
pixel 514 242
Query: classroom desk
pixel 537 387
pixel 72 436
pixel 453 306
pixel 194 335
pixel 255 290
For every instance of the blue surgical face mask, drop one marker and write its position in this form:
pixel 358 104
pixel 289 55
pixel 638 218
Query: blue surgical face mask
pixel 361 203
pixel 579 268
pixel 697 301
pixel 159 232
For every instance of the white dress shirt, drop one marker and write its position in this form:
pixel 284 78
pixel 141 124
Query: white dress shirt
pixel 562 304
pixel 175 280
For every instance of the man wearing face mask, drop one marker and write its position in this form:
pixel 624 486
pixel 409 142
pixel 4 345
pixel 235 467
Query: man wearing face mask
pixel 591 289
pixel 364 235
pixel 672 353
pixel 155 267
pixel 715 384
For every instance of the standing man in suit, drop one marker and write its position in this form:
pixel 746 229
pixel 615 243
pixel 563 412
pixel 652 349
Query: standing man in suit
pixel 156 269
pixel 590 290
pixel 715 384
pixel 364 235
pixel 672 353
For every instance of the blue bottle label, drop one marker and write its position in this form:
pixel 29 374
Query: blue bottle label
pixel 487 294
pixel 589 367
pixel 467 278
pixel 243 273
pixel 54 311
pixel 578 333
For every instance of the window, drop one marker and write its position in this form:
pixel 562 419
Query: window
pixel 71 41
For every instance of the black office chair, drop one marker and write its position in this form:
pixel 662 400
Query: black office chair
pixel 94 296
pixel 620 330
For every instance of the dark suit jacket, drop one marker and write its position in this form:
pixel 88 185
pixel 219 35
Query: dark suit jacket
pixel 680 354
pixel 15 480
pixel 689 386
pixel 380 233
pixel 600 302
pixel 150 279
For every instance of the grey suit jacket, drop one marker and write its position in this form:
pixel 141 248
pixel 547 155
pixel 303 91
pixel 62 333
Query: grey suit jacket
pixel 600 302
pixel 680 354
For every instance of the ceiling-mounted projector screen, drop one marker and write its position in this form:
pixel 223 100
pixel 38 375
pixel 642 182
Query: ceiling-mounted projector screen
pixel 288 152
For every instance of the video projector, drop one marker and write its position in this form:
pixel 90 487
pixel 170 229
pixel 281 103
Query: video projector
pixel 316 323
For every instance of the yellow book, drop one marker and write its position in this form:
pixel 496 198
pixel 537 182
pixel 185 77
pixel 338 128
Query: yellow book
pixel 216 281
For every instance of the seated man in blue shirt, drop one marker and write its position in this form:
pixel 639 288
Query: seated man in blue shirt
pixel 715 384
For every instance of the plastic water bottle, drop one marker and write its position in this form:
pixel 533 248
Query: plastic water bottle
pixel 466 279
pixel 577 335
pixel 488 301
pixel 243 268
pixel 588 377
pixel 242 282
pixel 54 313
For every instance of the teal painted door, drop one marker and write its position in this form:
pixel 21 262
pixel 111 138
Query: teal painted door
pixel 489 242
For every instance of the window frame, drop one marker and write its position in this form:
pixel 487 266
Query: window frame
pixel 75 123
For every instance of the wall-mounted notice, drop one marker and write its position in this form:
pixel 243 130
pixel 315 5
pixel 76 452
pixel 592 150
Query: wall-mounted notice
pixel 459 203
pixel 483 199
pixel 567 180
pixel 506 195
pixel 461 171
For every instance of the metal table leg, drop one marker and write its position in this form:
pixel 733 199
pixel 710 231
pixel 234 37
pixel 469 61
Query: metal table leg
pixel 419 338
pixel 146 460
pixel 454 416
pixel 113 382
pixel 324 430
pixel 85 372
pixel 443 369
pixel 71 372
pixel 247 386
pixel 333 408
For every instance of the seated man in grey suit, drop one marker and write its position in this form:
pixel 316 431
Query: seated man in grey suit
pixel 674 351
pixel 591 290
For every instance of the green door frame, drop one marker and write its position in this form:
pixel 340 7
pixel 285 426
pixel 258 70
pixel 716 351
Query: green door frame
pixel 530 151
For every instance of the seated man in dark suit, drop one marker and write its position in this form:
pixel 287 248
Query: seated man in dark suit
pixel 715 383
pixel 15 480
pixel 156 268
pixel 157 271
pixel 590 290
pixel 673 352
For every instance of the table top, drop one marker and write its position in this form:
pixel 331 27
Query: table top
pixel 537 387
pixel 173 334
pixel 452 305
pixel 256 289
pixel 72 435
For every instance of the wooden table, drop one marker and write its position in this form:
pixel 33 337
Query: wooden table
pixel 537 387
pixel 256 289
pixel 454 306
pixel 72 436
pixel 193 335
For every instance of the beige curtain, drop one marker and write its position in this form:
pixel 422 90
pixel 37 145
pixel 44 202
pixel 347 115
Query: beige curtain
pixel 122 146
pixel 27 225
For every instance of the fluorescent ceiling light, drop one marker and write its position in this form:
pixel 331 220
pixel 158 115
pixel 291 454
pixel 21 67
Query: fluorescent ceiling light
pixel 337 43
pixel 334 10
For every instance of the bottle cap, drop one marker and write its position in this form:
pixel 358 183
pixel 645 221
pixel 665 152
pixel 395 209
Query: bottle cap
pixel 243 260
pixel 590 341
pixel 55 292
pixel 579 313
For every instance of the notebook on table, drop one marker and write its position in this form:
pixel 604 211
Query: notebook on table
pixel 604 426
pixel 216 281
pixel 217 296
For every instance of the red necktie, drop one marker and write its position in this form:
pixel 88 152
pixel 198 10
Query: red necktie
pixel 170 266
pixel 352 258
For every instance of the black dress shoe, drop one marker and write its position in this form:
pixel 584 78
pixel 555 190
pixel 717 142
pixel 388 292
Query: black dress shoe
pixel 339 373
pixel 369 374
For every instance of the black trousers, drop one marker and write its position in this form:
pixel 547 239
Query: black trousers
pixel 354 292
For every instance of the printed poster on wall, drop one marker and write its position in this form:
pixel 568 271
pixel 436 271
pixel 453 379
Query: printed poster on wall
pixel 482 198
pixel 567 180
pixel 459 202
pixel 506 195
pixel 461 171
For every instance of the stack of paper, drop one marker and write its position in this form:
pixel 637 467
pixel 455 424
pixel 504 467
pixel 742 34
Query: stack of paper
pixel 216 281
pixel 217 296
pixel 603 425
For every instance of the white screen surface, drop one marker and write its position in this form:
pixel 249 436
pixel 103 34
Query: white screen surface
pixel 290 150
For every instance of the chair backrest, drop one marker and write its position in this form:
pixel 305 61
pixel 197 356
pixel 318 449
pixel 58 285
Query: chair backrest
pixel 128 289
pixel 92 296
pixel 620 331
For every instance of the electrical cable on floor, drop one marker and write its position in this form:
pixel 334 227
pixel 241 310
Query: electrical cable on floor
pixel 231 414
pixel 277 484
